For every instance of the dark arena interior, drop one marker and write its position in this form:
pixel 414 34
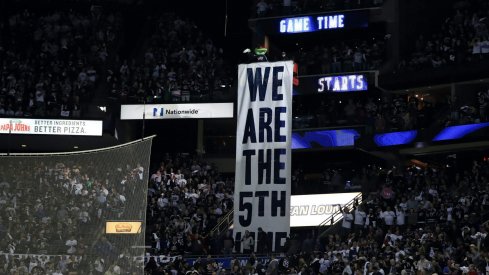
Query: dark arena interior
pixel 269 137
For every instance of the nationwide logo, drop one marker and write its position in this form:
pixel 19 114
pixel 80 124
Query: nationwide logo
pixel 160 112
pixel 15 126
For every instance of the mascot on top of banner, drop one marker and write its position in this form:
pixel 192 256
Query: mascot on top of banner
pixel 259 54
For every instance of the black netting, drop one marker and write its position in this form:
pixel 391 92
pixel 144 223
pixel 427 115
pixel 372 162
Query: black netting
pixel 54 208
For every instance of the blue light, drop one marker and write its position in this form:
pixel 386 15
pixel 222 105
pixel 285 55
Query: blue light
pixel 460 131
pixel 395 138
pixel 325 138
pixel 298 142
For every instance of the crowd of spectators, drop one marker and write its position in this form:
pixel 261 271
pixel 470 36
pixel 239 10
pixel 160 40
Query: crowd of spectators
pixel 420 220
pixel 379 113
pixel 337 57
pixel 53 213
pixel 186 198
pixel 462 38
pixel 335 179
pixel 390 112
pixel 285 7
pixel 180 64
pixel 468 113
pixel 50 61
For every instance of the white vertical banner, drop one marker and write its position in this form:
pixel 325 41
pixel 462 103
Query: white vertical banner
pixel 263 152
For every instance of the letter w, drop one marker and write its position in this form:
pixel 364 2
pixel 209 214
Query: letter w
pixel 258 82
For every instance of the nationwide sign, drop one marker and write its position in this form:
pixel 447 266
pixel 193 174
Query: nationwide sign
pixel 263 151
pixel 177 111
pixel 30 126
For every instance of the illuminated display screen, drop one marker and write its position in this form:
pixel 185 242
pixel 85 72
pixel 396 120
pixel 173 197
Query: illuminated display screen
pixel 312 23
pixel 342 83
pixel 324 139
pixel 459 131
pixel 395 138
pixel 312 210
pixel 315 22
pixel 333 83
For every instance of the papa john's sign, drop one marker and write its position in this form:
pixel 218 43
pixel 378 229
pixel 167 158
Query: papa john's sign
pixel 28 126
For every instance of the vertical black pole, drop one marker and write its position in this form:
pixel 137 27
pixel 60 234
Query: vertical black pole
pixel 8 137
pixel 144 117
pixel 226 19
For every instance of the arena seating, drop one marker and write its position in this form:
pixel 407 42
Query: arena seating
pixel 461 39
pixel 429 219
pixel 51 62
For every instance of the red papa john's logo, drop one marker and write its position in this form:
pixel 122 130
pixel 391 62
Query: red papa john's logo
pixel 15 126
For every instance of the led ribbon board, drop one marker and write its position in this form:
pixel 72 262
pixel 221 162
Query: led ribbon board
pixel 459 131
pixel 395 138
pixel 324 139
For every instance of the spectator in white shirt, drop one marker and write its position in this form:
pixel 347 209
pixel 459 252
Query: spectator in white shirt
pixel 403 205
pixel 400 216
pixel 347 219
pixel 359 217
pixel 394 237
pixel 162 201
pixel 72 243
pixel 388 216
pixel 324 264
